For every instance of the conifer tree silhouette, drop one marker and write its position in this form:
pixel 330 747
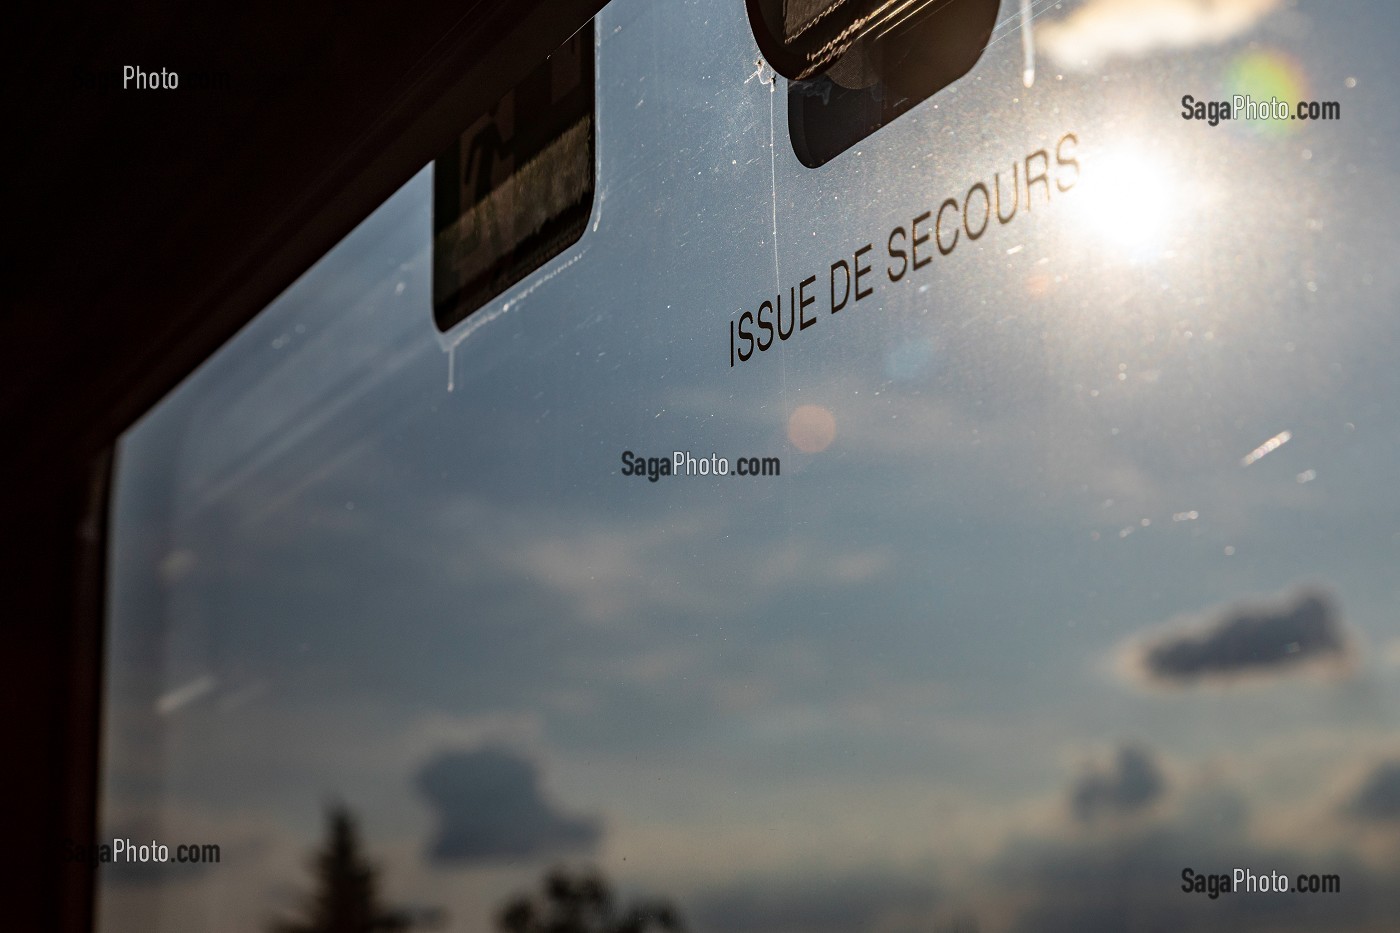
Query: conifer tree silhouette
pixel 345 898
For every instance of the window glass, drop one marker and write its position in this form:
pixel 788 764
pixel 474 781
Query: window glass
pixel 1075 587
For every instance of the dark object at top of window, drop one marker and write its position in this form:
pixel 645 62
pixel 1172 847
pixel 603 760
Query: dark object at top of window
pixel 855 66
pixel 517 188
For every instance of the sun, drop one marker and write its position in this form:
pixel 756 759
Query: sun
pixel 1129 200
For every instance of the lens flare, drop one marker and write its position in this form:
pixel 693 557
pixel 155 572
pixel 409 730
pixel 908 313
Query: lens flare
pixel 811 428
pixel 1265 75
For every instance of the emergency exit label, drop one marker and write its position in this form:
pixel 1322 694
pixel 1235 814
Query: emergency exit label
pixel 905 249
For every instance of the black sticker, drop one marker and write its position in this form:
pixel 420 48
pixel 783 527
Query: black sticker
pixel 517 188
pixel 856 66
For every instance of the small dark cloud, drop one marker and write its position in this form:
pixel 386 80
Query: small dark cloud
pixel 1133 783
pixel 1379 795
pixel 1248 640
pixel 490 806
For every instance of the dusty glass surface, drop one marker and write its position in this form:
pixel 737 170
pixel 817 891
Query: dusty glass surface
pixel 1081 569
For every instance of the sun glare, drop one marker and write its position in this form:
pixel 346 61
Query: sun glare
pixel 1128 201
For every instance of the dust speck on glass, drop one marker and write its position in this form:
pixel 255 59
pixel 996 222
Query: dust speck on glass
pixel 1079 573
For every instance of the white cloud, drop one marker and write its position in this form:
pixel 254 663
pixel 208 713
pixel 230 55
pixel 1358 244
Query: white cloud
pixel 1100 30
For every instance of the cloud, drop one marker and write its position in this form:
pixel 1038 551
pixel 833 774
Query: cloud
pixel 1061 880
pixel 1103 29
pixel 1132 881
pixel 1378 798
pixel 1247 640
pixel 490 807
pixel 1133 783
pixel 1129 876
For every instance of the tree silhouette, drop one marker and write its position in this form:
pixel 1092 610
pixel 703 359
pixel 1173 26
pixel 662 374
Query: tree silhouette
pixel 346 897
pixel 583 903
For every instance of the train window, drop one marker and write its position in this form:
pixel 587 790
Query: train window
pixel 991 525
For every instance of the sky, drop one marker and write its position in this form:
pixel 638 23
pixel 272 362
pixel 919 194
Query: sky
pixel 1080 571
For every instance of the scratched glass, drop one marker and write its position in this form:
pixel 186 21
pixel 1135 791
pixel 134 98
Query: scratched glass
pixel 1080 571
